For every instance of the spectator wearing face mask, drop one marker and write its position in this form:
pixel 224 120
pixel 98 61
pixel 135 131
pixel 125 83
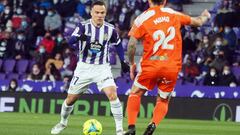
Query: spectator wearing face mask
pixel 230 37
pixel 20 46
pixel 5 16
pixel 219 61
pixel 124 21
pixel 52 22
pixel 38 22
pixel 212 78
pixel 61 43
pixel 17 18
pixel 48 43
pixel 40 55
pixel 13 86
pixel 220 44
pixel 189 42
pixel 227 78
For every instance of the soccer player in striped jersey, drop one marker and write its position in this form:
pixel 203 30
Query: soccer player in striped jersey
pixel 94 37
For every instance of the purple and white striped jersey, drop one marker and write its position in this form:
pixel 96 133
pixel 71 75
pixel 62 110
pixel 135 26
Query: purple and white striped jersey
pixel 95 48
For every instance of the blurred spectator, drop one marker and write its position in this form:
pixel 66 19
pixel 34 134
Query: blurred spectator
pixel 35 74
pixel 17 18
pixel 13 86
pixel 137 12
pixel 1 8
pixel 4 49
pixel 40 55
pixel 19 3
pixel 189 41
pixel 48 43
pixel 70 62
pixel 51 73
pixel 225 7
pixel 227 78
pixel 45 4
pixel 205 48
pixel 38 22
pixel 61 44
pixel 20 46
pixel 67 81
pixel 66 5
pixel 57 61
pixel 219 61
pixel 5 16
pixel 227 14
pixel 203 64
pixel 190 70
pixel 81 9
pixel 212 78
pixel 124 21
pixel 230 37
pixel 52 22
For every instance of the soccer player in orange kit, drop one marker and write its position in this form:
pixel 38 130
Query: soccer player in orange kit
pixel 158 28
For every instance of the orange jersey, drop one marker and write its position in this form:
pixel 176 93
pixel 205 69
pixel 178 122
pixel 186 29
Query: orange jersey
pixel 159 30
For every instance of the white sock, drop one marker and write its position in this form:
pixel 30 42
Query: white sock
pixel 65 112
pixel 116 108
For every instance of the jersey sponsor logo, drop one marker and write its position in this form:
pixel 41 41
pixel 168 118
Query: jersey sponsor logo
pixel 161 57
pixel 96 47
pixel 161 19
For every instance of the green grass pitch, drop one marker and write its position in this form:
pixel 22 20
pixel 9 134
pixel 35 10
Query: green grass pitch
pixel 41 124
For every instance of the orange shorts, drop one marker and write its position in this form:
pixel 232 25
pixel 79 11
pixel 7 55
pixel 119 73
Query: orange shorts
pixel 150 76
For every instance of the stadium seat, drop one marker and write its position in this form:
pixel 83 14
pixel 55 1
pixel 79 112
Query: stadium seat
pixel 21 66
pixel 236 71
pixel 31 63
pixel 12 76
pixel 22 76
pixel 2 76
pixel 9 65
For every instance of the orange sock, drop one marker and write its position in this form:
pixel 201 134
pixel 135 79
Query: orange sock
pixel 133 107
pixel 160 111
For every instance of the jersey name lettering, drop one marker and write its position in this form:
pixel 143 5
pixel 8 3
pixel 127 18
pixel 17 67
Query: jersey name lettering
pixel 161 19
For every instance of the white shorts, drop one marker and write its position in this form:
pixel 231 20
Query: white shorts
pixel 86 74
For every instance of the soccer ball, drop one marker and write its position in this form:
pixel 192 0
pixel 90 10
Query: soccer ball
pixel 92 127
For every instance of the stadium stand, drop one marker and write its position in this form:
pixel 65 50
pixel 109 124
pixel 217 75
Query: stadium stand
pixel 25 39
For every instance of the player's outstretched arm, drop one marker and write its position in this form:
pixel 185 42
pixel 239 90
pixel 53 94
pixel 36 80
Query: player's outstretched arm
pixel 200 20
pixel 131 52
